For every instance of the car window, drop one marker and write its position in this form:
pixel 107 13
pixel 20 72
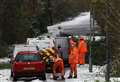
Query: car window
pixel 27 58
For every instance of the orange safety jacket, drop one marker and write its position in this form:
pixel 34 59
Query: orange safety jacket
pixel 58 66
pixel 71 42
pixel 73 56
pixel 82 47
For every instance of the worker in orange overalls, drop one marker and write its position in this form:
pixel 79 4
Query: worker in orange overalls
pixel 58 66
pixel 71 43
pixel 82 47
pixel 73 60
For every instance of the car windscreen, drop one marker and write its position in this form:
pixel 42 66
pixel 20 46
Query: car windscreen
pixel 27 57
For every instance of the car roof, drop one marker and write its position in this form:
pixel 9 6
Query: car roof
pixel 27 52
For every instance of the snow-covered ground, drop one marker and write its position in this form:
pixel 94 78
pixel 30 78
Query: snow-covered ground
pixel 83 75
pixel 4 60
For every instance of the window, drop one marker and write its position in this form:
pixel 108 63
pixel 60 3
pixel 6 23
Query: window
pixel 27 57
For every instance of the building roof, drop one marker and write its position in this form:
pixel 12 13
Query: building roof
pixel 78 25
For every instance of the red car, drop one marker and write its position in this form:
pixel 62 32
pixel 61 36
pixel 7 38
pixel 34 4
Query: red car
pixel 28 64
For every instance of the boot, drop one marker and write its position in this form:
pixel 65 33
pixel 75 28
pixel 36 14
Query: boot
pixel 63 78
pixel 70 76
pixel 55 78
pixel 75 76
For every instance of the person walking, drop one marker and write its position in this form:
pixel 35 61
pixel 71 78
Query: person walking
pixel 73 61
pixel 82 47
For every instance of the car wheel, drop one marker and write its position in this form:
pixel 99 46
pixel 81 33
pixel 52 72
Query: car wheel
pixel 14 78
pixel 42 77
pixel 11 75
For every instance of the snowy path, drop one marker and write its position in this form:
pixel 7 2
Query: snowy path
pixel 83 76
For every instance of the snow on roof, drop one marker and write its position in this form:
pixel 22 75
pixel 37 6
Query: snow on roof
pixel 78 25
pixel 80 19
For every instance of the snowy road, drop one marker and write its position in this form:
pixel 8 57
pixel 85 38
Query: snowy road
pixel 83 75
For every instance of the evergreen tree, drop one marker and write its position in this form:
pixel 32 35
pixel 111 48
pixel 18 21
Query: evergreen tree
pixel 107 13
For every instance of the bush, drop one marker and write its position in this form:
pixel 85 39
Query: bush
pixel 3 51
pixel 5 66
pixel 97 81
pixel 98 53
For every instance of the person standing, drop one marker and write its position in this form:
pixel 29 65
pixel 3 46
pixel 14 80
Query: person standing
pixel 73 61
pixel 82 47
pixel 71 41
pixel 60 52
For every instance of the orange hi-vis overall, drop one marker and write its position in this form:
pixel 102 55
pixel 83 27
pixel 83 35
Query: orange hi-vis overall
pixel 71 42
pixel 73 60
pixel 58 66
pixel 82 47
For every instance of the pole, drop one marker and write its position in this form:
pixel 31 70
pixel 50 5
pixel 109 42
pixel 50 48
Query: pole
pixel 108 53
pixel 90 54
pixel 107 75
pixel 50 12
